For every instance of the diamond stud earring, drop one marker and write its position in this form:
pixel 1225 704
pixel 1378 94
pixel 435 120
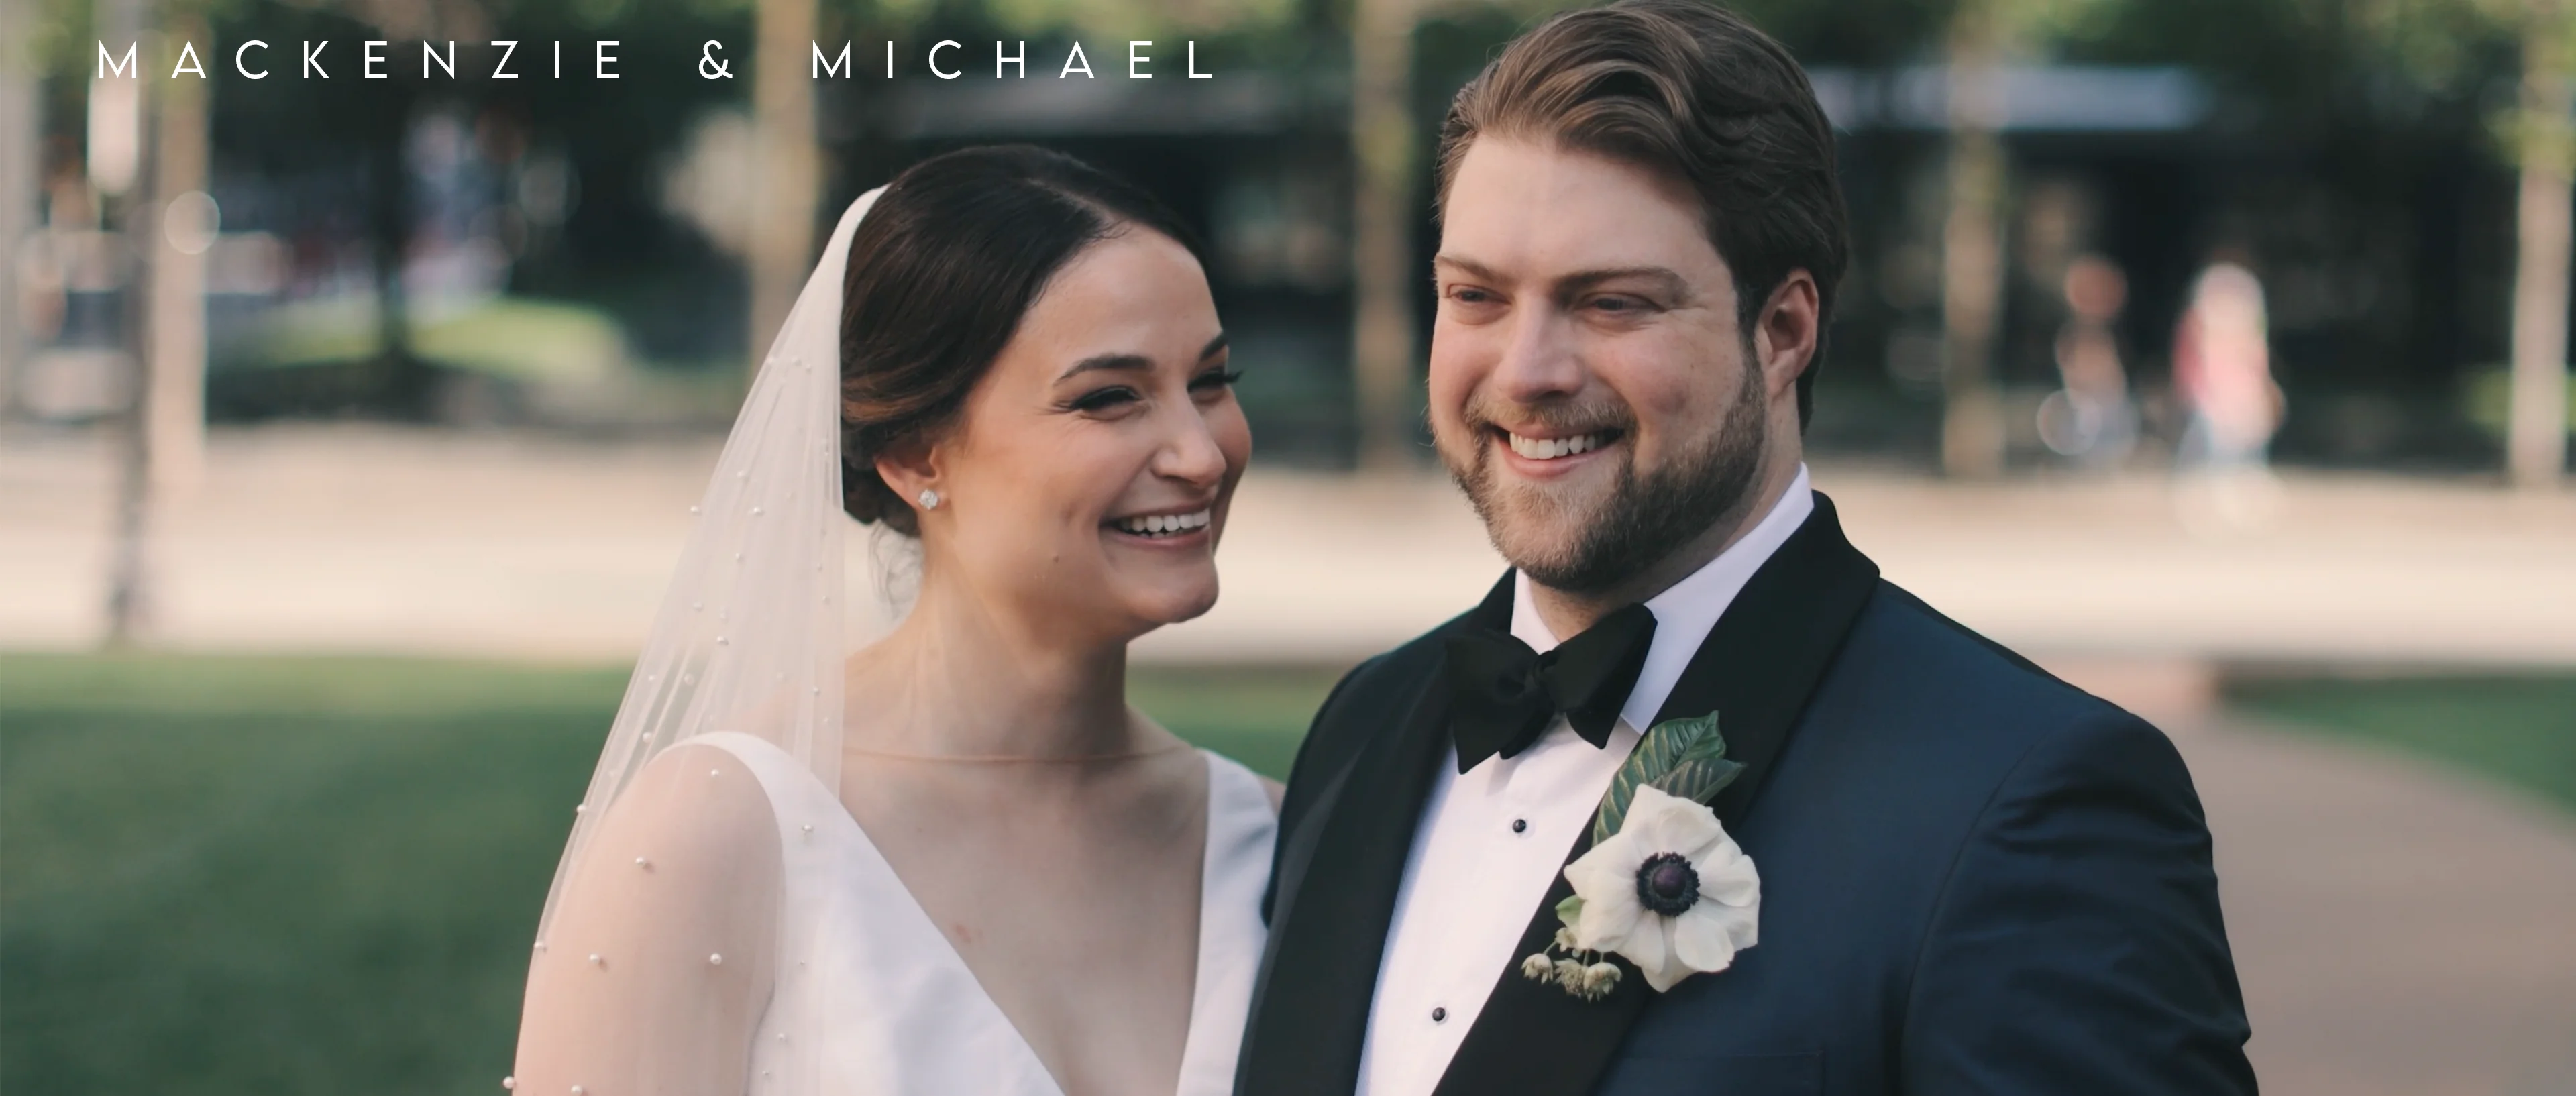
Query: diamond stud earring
pixel 929 499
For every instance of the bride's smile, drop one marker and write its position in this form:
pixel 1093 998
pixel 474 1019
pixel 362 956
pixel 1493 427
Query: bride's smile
pixel 1187 528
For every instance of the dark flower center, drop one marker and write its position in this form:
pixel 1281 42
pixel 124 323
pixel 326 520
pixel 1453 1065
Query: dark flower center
pixel 1666 884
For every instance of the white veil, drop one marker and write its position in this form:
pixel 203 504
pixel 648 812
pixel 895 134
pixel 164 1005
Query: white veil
pixel 750 636
pixel 753 618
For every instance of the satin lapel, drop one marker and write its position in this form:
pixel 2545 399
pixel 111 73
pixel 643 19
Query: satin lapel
pixel 1328 934
pixel 1766 654
pixel 1756 670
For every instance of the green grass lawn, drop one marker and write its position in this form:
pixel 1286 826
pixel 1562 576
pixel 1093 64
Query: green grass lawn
pixel 263 875
pixel 2517 730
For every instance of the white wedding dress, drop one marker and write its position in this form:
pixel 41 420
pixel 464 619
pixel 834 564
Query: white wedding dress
pixel 863 969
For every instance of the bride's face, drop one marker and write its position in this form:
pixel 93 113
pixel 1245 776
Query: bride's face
pixel 1090 474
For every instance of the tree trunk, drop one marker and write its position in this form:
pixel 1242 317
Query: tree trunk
pixel 19 156
pixel 1972 269
pixel 129 600
pixel 130 127
pixel 2536 438
pixel 1383 270
pixel 406 379
pixel 782 229
pixel 177 287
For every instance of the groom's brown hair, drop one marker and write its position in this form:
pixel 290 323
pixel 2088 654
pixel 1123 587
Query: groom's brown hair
pixel 1691 91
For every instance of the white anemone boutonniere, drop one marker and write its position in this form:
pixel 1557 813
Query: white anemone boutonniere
pixel 1663 886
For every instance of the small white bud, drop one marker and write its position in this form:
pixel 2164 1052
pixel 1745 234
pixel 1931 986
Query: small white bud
pixel 1599 979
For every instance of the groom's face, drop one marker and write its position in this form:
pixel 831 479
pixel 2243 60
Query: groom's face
pixel 1591 389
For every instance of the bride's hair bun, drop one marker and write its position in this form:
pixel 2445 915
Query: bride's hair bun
pixel 941 270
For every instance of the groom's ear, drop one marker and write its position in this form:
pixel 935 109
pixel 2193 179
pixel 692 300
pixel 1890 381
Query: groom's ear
pixel 1786 333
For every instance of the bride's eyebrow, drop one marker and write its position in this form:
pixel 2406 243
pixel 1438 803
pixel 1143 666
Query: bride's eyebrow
pixel 1097 362
pixel 1131 362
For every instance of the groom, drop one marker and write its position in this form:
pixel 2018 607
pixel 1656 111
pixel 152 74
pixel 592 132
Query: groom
pixel 1972 877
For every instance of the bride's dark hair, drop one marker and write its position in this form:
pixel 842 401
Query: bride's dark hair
pixel 941 270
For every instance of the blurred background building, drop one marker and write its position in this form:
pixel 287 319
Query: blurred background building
pixel 2211 351
pixel 577 251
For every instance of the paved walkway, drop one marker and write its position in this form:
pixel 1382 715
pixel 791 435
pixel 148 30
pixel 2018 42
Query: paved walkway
pixel 358 537
pixel 2398 930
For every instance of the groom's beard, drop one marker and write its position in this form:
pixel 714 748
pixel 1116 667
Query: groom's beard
pixel 1645 517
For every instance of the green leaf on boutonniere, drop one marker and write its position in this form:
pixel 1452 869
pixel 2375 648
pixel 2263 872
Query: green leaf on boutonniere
pixel 1570 911
pixel 1699 780
pixel 1682 757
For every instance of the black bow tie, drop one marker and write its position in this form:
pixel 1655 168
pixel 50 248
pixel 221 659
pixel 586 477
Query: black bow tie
pixel 1503 694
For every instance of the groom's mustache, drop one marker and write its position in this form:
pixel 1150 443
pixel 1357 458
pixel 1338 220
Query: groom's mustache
pixel 1536 421
pixel 1550 419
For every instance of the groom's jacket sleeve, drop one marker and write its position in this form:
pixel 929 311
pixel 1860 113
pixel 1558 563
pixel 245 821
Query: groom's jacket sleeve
pixel 2077 944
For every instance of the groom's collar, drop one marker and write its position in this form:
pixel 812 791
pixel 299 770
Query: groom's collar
pixel 1687 609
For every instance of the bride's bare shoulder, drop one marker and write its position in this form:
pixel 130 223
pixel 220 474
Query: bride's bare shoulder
pixel 693 836
pixel 695 803
pixel 659 955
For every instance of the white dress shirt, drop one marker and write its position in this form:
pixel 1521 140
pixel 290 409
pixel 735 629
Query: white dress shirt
pixel 1492 840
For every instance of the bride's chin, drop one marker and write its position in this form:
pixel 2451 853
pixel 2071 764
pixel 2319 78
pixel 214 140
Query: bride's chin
pixel 1169 605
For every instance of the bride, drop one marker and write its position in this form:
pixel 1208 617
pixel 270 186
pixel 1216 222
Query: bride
pixel 955 861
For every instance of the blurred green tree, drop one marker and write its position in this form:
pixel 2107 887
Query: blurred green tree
pixel 2438 43
pixel 1384 270
pixel 1981 38
pixel 785 235
pixel 2538 140
pixel 789 166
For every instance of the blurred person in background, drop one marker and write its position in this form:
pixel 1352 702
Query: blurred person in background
pixel 2090 417
pixel 2222 366
pixel 955 861
pixel 1695 801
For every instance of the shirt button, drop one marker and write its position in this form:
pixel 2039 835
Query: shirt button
pixel 1439 1014
pixel 1520 825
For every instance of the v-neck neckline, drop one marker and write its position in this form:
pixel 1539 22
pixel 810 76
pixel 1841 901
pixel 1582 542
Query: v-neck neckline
pixel 1194 1043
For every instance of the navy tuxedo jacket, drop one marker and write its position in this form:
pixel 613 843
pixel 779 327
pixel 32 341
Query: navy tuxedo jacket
pixel 1975 877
